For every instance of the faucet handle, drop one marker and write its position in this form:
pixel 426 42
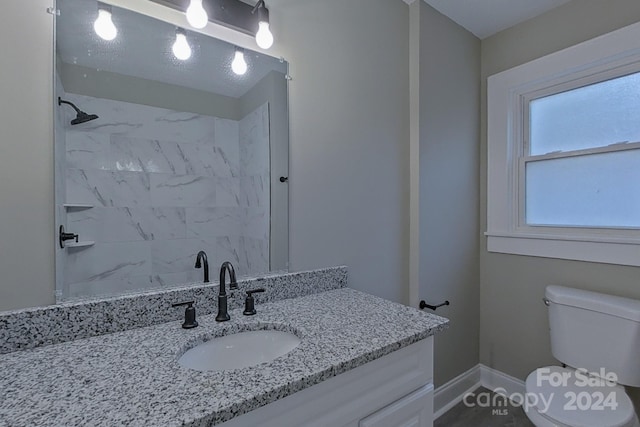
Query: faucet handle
pixel 64 236
pixel 189 314
pixel 249 302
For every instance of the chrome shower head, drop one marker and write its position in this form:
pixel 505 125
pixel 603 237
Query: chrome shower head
pixel 81 116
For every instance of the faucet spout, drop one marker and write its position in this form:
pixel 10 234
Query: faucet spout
pixel 200 259
pixel 223 314
pixel 227 266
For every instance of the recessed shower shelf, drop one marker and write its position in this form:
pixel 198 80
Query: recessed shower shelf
pixel 77 206
pixel 80 244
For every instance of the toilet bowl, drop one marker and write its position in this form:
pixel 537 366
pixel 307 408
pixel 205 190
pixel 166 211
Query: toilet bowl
pixel 599 335
pixel 573 404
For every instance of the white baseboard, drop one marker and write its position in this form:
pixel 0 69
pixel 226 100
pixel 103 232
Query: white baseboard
pixel 450 394
pixel 499 382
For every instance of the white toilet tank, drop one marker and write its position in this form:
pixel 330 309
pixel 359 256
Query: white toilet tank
pixel 595 331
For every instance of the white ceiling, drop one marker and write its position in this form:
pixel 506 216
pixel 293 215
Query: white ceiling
pixel 487 17
pixel 143 49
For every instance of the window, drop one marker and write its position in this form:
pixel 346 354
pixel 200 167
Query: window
pixel 581 162
pixel 564 153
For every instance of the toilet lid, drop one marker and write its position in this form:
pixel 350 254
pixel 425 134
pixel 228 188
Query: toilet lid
pixel 571 398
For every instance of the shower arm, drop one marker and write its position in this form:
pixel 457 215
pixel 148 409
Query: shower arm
pixel 62 101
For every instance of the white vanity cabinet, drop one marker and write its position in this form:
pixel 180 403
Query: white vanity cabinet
pixel 393 390
pixel 414 410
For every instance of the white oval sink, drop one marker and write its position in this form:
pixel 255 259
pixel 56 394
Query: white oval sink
pixel 239 350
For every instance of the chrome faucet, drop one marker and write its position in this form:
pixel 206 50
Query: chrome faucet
pixel 223 314
pixel 202 256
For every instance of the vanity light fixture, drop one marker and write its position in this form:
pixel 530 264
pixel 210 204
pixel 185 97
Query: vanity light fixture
pixel 181 48
pixel 196 15
pixel 103 25
pixel 239 65
pixel 237 15
pixel 264 38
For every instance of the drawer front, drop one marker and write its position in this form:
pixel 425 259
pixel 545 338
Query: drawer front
pixel 413 410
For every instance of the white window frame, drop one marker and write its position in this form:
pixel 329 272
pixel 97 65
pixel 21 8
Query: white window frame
pixel 508 94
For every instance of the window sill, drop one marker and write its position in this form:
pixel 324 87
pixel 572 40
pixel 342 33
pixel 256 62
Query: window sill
pixel 608 251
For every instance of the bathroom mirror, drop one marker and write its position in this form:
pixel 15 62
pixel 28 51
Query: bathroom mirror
pixel 158 158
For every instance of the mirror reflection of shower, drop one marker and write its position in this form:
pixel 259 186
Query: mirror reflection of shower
pixel 186 156
pixel 81 116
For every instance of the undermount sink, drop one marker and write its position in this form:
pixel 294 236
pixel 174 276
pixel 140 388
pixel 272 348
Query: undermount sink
pixel 239 350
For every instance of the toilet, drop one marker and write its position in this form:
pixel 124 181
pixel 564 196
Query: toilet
pixel 597 337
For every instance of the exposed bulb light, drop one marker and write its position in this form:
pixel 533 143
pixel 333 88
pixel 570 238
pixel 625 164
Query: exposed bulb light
pixel 239 65
pixel 264 38
pixel 196 15
pixel 181 48
pixel 103 24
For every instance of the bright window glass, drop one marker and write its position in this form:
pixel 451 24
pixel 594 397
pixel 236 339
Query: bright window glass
pixel 595 190
pixel 592 116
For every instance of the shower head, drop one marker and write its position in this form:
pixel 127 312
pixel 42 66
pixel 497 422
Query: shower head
pixel 81 116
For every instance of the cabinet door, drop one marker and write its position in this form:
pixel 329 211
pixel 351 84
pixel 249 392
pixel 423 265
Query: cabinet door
pixel 413 410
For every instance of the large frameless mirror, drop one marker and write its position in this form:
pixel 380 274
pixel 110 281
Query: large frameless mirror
pixel 164 148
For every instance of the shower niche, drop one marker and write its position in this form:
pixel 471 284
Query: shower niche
pixel 158 158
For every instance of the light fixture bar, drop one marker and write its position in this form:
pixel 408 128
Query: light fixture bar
pixel 233 14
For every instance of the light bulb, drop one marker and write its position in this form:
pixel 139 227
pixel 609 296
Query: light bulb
pixel 181 48
pixel 104 26
pixel 264 38
pixel 239 66
pixel 196 15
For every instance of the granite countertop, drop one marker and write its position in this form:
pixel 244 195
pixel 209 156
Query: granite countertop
pixel 133 378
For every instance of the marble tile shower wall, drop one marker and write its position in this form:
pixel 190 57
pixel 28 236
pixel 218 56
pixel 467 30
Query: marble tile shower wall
pixel 164 185
pixel 61 118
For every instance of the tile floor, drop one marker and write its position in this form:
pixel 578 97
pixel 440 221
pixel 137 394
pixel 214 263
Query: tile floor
pixel 503 414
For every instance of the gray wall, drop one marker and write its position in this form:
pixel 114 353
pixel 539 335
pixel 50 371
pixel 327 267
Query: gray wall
pixel 349 112
pixel 514 334
pixel 449 190
pixel 26 155
pixel 349 105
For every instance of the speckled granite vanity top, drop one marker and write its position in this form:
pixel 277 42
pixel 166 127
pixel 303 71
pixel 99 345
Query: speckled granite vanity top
pixel 132 378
